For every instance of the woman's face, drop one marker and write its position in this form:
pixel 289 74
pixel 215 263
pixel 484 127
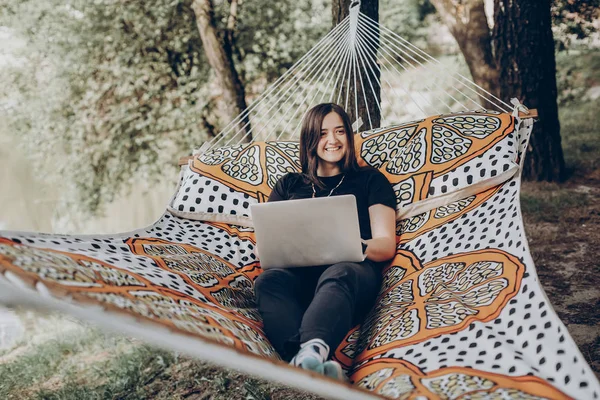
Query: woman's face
pixel 333 144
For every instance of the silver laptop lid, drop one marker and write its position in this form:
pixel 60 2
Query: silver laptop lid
pixel 307 232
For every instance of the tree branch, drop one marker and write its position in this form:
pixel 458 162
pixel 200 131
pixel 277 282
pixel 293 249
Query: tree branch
pixel 233 14
pixel 220 58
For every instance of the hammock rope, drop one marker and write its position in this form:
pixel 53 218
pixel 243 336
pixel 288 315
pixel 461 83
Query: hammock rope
pixel 296 84
pixel 362 51
pixel 363 42
pixel 504 107
pixel 389 55
pixel 301 64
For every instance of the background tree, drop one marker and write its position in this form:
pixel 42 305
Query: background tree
pixel 219 52
pixel 111 92
pixel 107 93
pixel 411 19
pixel 527 65
pixel 467 22
pixel 519 57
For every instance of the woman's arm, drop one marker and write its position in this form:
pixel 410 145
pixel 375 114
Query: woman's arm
pixel 383 229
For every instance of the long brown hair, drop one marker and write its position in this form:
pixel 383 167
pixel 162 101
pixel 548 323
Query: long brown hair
pixel 310 135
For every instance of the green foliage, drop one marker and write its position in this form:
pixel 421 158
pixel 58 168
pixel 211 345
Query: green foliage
pixel 578 78
pixel 407 18
pixel 110 92
pixel 106 93
pixel 271 36
pixel 580 139
pixel 549 204
pixel 576 72
pixel 573 21
pixel 112 88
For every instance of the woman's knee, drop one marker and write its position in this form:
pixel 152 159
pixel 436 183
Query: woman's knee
pixel 274 277
pixel 343 268
pixel 358 277
pixel 345 272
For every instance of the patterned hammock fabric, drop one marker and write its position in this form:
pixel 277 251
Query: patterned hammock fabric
pixel 460 315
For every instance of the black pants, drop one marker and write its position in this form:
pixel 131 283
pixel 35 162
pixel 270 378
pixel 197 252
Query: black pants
pixel 300 304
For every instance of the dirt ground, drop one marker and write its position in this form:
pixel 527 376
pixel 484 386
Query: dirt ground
pixel 565 245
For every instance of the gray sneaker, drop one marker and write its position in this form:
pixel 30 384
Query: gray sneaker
pixel 334 370
pixel 313 364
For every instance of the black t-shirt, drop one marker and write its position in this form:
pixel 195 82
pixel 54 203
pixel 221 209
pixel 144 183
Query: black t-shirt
pixel 368 185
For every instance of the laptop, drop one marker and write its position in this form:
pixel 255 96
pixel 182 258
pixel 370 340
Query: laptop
pixel 307 232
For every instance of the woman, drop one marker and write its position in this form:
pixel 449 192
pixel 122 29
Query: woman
pixel 308 311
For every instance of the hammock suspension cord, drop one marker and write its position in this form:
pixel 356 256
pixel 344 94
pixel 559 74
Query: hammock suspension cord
pixel 361 51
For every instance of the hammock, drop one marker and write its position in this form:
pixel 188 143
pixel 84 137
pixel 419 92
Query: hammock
pixel 460 314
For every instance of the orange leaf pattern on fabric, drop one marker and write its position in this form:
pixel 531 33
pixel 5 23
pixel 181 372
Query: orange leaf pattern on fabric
pixel 253 169
pixel 398 379
pixel 443 296
pixel 214 300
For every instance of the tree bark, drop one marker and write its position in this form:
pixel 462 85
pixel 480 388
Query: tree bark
pixel 219 55
pixel 515 60
pixel 367 110
pixel 527 70
pixel 467 22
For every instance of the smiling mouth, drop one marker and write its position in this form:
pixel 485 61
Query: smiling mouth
pixel 333 149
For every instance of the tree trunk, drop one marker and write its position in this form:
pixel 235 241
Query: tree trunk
pixel 219 55
pixel 468 24
pixel 524 49
pixel 515 60
pixel 369 110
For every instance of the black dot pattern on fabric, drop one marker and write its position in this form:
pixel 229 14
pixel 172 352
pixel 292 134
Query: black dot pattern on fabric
pixel 482 168
pixel 525 339
pixel 220 198
pixel 241 167
pixel 112 249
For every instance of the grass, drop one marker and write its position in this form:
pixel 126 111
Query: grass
pixel 580 133
pixel 580 124
pixel 77 361
pixel 124 375
pixel 548 202
pixel 60 355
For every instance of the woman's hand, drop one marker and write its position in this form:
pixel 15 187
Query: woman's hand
pixel 380 249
